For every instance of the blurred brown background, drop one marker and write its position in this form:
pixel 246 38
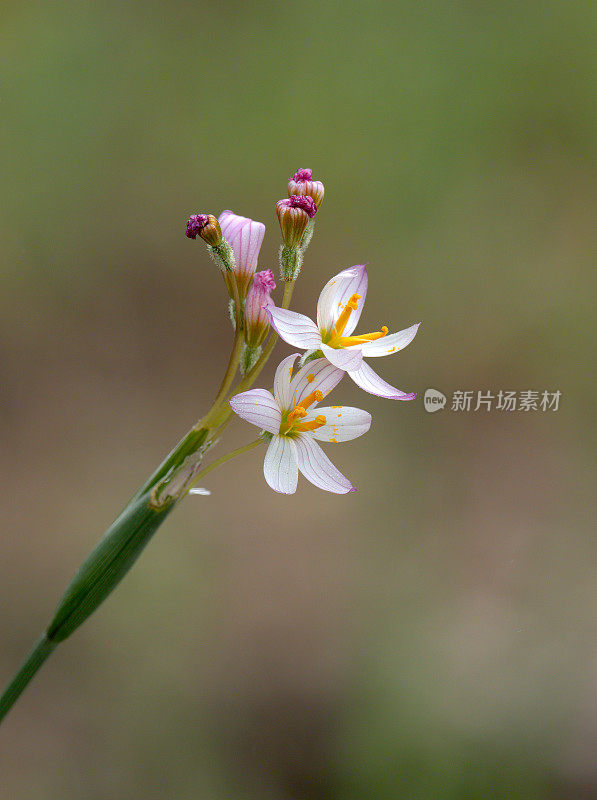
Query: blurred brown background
pixel 431 636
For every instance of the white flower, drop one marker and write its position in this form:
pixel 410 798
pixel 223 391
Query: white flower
pixel 290 414
pixel 338 310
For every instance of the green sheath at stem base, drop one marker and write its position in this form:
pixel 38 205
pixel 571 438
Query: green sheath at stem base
pixel 106 565
pixel 41 650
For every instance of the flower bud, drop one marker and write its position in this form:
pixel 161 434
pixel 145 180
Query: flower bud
pixel 257 300
pixel 245 237
pixel 302 183
pixel 294 215
pixel 206 226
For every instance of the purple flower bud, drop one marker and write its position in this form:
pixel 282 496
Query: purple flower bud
pixel 302 183
pixel 264 281
pixel 206 226
pixel 294 214
pixel 302 175
pixel 195 224
pixel 258 299
pixel 304 202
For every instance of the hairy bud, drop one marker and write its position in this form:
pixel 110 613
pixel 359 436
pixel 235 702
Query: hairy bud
pixel 294 215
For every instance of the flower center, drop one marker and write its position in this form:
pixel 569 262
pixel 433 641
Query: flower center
pixel 336 339
pixel 293 423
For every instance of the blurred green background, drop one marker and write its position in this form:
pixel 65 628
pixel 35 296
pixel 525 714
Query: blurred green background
pixel 431 636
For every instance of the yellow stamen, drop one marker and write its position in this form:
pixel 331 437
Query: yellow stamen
pixel 311 378
pixel 347 341
pixel 314 397
pixel 298 412
pixel 313 425
pixel 351 306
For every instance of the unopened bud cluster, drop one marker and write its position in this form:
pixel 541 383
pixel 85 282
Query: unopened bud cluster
pixel 296 217
pixel 234 243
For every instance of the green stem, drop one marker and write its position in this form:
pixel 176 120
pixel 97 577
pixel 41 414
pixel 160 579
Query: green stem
pixel 188 445
pixel 232 361
pixel 99 575
pixel 41 650
pixel 111 558
pixel 211 415
pixel 119 548
pixel 252 376
pixel 199 433
pixel 254 373
pixel 221 427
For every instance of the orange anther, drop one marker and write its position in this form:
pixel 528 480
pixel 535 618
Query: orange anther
pixel 314 397
pixel 350 306
pixel 363 338
pixel 298 412
pixel 312 425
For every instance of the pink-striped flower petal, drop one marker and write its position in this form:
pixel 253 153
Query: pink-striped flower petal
pixel 296 329
pixel 317 467
pixel 317 375
pixel 337 292
pixel 329 298
pixel 259 407
pixel 282 380
pixel 390 344
pixel 347 358
pixel 343 423
pixel 245 236
pixel 280 467
pixel 370 381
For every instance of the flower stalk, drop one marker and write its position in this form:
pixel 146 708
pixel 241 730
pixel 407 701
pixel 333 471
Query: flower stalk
pixel 289 417
pixel 121 545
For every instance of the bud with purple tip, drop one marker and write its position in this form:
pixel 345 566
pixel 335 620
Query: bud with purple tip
pixel 258 299
pixel 294 215
pixel 256 319
pixel 206 226
pixel 302 183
